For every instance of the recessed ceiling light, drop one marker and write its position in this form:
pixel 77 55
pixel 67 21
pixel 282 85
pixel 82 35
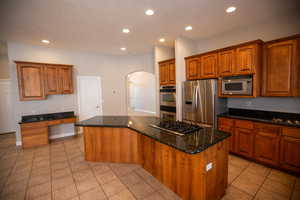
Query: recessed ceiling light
pixel 123 48
pixel 188 28
pixel 149 12
pixel 230 9
pixel 162 40
pixel 46 41
pixel 125 30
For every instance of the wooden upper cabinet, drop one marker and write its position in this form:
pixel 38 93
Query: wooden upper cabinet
pixel 51 80
pixel 172 73
pixel 36 80
pixel 66 80
pixel 167 72
pixel 209 66
pixel 31 81
pixel 280 69
pixel 226 62
pixel 192 68
pixel 246 59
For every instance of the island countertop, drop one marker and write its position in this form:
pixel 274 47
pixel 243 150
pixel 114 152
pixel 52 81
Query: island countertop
pixel 191 143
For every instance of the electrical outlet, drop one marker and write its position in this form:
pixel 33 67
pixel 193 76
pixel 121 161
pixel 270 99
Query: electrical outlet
pixel 209 166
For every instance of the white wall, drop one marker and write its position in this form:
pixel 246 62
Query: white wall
pixel 112 70
pixel 160 54
pixel 273 29
pixel 268 30
pixel 183 47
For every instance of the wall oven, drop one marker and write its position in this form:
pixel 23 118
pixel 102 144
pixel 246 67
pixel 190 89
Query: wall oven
pixel 239 85
pixel 168 113
pixel 168 96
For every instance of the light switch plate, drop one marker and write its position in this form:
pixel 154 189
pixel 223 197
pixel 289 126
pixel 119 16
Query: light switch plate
pixel 209 166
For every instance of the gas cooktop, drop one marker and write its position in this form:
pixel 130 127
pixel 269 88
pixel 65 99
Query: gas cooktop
pixel 176 127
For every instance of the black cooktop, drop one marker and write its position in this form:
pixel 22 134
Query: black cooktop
pixel 176 127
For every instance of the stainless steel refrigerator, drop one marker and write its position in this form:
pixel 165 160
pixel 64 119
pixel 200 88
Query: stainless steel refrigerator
pixel 201 103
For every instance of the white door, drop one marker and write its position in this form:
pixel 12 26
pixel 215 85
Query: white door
pixel 89 96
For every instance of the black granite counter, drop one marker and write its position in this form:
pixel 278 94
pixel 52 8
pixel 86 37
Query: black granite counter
pixel 263 116
pixel 46 117
pixel 191 143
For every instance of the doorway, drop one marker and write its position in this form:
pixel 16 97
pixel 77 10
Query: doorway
pixel 89 97
pixel 141 94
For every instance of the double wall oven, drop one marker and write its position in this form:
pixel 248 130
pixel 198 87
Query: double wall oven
pixel 168 102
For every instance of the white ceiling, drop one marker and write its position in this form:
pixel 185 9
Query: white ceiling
pixel 96 25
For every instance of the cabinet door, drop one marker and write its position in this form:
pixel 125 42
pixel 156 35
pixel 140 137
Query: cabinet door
pixel 163 73
pixel 266 148
pixel 172 73
pixel 51 80
pixel 66 80
pixel 246 59
pixel 209 66
pixel 226 60
pixel 31 81
pixel 289 153
pixel 227 125
pixel 279 69
pixel 192 68
pixel 245 141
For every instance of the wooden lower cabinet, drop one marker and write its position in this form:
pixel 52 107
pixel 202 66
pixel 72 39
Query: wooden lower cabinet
pixel 227 125
pixel 290 149
pixel 183 173
pixel 245 141
pixel 266 143
pixel 37 133
pixel 277 146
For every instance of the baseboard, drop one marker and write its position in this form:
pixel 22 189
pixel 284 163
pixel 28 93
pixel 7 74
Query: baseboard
pixel 18 143
pixel 61 135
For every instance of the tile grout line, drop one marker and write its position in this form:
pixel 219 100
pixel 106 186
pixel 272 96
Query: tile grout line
pixel 27 185
pixel 293 189
pixel 10 172
pixel 266 177
pixel 71 170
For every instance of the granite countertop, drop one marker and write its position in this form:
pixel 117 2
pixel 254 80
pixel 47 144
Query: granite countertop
pixel 191 143
pixel 46 117
pixel 262 116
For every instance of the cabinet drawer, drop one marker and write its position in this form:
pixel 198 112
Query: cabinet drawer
pixel 291 132
pixel 225 129
pixel 226 122
pixel 69 120
pixel 35 131
pixel 54 122
pixel 244 124
pixel 33 125
pixel 267 128
pixel 34 140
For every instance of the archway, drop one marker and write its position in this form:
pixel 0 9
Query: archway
pixel 141 94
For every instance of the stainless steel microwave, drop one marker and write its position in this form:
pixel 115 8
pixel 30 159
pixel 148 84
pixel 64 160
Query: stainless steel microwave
pixel 241 85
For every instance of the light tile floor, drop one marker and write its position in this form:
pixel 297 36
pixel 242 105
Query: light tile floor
pixel 58 171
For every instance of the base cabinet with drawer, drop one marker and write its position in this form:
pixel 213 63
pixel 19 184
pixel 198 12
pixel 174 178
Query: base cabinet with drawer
pixel 290 149
pixel 274 145
pixel 37 133
pixel 244 143
pixel 266 143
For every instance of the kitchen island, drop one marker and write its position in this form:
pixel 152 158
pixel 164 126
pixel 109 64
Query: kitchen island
pixel 195 166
